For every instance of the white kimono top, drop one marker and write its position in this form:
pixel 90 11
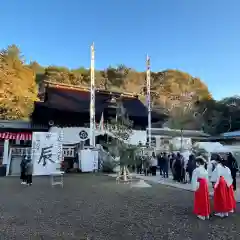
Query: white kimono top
pixel 199 172
pixel 210 168
pixel 154 162
pixel 221 171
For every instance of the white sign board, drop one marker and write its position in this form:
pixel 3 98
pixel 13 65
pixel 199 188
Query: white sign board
pixel 87 160
pixel 46 152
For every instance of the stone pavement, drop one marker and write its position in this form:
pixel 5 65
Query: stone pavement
pixel 94 207
pixel 169 182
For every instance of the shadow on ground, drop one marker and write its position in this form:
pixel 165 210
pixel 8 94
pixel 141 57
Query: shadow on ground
pixel 95 207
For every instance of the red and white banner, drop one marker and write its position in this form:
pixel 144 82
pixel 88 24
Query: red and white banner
pixel 16 136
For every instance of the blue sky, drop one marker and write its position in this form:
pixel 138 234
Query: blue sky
pixel 201 37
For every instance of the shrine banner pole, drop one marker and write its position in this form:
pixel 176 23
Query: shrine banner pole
pixel 148 76
pixel 92 98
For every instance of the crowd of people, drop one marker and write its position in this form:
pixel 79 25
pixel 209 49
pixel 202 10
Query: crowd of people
pixel 220 172
pixel 163 161
pixel 149 165
pixel 180 167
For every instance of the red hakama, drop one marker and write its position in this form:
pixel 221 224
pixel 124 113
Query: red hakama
pixel 221 197
pixel 231 199
pixel 201 199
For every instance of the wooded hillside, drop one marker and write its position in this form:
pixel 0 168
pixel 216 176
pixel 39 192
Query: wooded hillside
pixel 173 91
pixel 18 89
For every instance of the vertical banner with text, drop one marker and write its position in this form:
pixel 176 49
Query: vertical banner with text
pixel 46 152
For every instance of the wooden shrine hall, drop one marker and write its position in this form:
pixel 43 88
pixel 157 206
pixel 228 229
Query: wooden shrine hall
pixel 67 105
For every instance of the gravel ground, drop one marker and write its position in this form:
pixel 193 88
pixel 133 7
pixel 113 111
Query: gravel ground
pixel 95 207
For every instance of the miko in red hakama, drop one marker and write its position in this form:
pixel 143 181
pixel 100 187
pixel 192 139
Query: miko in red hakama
pixel 201 199
pixel 231 199
pixel 221 197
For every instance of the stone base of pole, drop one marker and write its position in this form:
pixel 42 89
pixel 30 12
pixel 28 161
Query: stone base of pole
pixel 124 175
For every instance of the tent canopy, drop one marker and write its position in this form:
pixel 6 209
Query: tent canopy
pixel 212 147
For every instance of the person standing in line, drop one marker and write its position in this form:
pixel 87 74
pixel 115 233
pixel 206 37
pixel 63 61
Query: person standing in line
pixel 182 169
pixel 146 165
pixel 154 163
pixel 172 157
pixel 233 166
pixel 158 159
pixel 23 170
pixel 161 163
pixel 29 172
pixel 165 165
pixel 178 167
pixel 139 164
pixel 221 176
pixel 201 193
pixel 172 167
pixel 191 165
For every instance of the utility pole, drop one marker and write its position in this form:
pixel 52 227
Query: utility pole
pixel 92 98
pixel 148 76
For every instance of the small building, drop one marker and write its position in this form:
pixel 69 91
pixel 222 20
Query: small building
pixel 163 138
pixel 228 138
pixel 15 140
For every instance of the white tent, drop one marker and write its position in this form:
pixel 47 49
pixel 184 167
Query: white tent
pixel 235 150
pixel 212 147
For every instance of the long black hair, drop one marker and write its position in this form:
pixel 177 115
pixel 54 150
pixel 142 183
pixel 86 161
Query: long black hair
pixel 232 162
pixel 220 160
pixel 201 161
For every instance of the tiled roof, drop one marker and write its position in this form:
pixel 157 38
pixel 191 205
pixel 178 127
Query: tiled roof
pixel 231 134
pixel 19 124
pixel 78 100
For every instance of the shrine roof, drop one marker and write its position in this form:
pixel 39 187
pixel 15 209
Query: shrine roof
pixel 68 87
pixel 77 99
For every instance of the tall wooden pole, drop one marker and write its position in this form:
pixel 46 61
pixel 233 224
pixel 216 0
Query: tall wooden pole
pixel 92 98
pixel 148 76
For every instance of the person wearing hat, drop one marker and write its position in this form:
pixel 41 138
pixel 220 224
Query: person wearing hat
pixel 200 188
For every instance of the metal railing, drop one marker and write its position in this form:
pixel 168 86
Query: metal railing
pixel 18 151
pixel 69 152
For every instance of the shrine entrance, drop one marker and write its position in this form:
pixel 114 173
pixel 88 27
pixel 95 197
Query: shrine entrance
pixel 15 157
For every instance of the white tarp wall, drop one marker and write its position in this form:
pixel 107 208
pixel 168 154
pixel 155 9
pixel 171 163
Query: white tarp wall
pixel 138 136
pixel 72 135
pixel 46 152
pixel 235 150
pixel 184 143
